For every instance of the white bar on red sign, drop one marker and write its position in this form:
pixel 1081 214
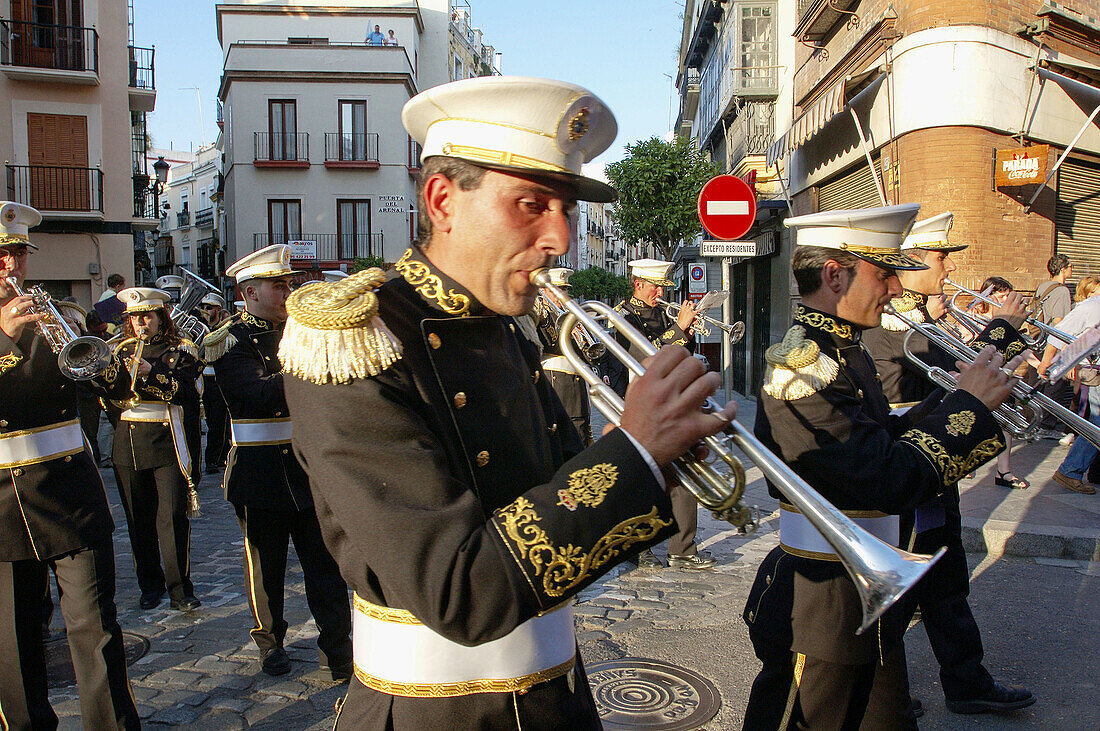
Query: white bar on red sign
pixel 727 208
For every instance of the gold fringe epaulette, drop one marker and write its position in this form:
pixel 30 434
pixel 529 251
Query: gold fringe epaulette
pixel 218 343
pixel 906 306
pixel 334 331
pixel 186 346
pixel 797 368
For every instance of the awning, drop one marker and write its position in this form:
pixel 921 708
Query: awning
pixel 1087 97
pixel 843 93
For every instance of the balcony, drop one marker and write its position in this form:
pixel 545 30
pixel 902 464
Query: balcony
pixel 351 150
pixel 63 190
pixel 330 247
pixel 204 217
pixel 44 52
pixel 142 87
pixel 221 114
pixel 281 150
pixel 146 216
pixel 183 218
pixel 817 17
pixel 751 132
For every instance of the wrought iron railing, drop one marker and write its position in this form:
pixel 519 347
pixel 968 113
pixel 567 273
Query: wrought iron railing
pixel 330 247
pixel 43 45
pixel 351 146
pixel 145 202
pixel 204 217
pixel 142 72
pixel 752 131
pixel 183 218
pixel 53 188
pixel 281 147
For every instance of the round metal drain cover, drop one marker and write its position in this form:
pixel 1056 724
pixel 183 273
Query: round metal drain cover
pixel 59 663
pixel 648 694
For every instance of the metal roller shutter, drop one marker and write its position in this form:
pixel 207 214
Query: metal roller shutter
pixel 854 189
pixel 1077 216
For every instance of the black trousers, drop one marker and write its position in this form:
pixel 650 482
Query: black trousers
pixel 89 422
pixel 685 508
pixel 267 535
pixel 155 502
pixel 192 431
pixel 573 393
pixel 217 423
pixel 87 581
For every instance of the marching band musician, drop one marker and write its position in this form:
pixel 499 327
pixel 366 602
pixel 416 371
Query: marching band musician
pixel 942 593
pixel 213 404
pixel 264 481
pixel 53 515
pixel 450 484
pixel 151 456
pixel 650 278
pixel 822 410
pixel 567 384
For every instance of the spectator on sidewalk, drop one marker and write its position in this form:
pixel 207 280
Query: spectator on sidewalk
pixel 1053 302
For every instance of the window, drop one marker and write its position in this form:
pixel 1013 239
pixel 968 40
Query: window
pixel 282 129
pixel 353 228
pixel 458 69
pixel 353 130
pixel 756 47
pixel 284 221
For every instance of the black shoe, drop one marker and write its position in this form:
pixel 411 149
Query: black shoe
pixel 275 662
pixel 998 698
pixel 701 561
pixel 646 560
pixel 916 708
pixel 339 672
pixel 150 599
pixel 186 604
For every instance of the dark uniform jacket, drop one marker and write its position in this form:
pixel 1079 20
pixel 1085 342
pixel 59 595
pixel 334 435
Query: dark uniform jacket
pixel 251 380
pixel 841 439
pixel 450 485
pixel 143 445
pixel 52 507
pixel 658 328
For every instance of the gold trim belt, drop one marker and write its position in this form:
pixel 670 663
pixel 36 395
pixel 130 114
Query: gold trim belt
pixel 396 654
pixel 18 449
pixel 799 538
pixel 258 432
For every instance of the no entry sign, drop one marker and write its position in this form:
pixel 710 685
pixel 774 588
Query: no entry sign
pixel 727 207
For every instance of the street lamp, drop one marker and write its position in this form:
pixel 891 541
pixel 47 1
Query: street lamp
pixel 160 170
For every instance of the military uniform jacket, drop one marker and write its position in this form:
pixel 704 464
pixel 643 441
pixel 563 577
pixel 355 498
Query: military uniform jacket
pixel 658 328
pixel 841 439
pixel 251 381
pixel 143 445
pixel 52 507
pixel 452 484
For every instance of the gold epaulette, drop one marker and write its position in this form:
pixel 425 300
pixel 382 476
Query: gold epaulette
pixel 904 305
pixel 334 331
pixel 797 368
pixel 218 342
pixel 186 346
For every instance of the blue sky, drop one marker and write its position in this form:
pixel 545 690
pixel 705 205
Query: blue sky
pixel 620 49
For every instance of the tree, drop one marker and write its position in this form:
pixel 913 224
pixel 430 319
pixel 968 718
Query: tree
pixel 659 184
pixel 366 262
pixel 598 284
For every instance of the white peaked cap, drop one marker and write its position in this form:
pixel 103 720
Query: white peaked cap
pixel 872 234
pixel 267 263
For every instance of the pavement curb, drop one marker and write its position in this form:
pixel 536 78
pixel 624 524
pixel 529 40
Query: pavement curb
pixel 1010 538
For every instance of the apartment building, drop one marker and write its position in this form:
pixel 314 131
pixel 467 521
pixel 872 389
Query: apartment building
pixel 735 78
pixel 188 233
pixel 470 55
pixel 946 104
pixel 75 90
pixel 314 151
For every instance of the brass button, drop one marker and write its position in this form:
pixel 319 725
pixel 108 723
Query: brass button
pixel 278 413
pixel 482 458
pixel 859 392
pixel 164 423
pixel 3 422
pixel 512 326
pixel 553 428
pixel 768 580
pixel 285 451
pixel 751 615
pixel 131 426
pixel 460 400
pixel 68 458
pixel 536 376
pixel 17 472
pixel 434 341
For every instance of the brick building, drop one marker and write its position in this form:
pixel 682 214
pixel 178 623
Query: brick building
pixel 936 88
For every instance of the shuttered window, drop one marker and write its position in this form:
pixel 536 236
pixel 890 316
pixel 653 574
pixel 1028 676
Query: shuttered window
pixel 1077 216
pixel 852 189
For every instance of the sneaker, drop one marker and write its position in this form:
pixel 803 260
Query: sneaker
pixel 998 698
pixel 701 561
pixel 275 662
pixel 646 560
pixel 1072 483
pixel 1067 440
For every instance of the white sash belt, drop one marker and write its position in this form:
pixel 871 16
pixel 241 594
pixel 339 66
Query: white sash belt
pixel 558 363
pixel 256 432
pixel 797 536
pixel 31 447
pixel 147 411
pixel 172 416
pixel 396 654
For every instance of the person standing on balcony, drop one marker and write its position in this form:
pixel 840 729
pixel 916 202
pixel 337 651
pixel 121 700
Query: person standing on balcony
pixel 375 37
pixel 391 39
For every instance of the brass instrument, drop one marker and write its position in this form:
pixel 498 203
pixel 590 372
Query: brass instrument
pixel 135 399
pixel 734 332
pixel 593 349
pixel 79 357
pixel 1025 395
pixel 971 320
pixel 881 572
pixel 191 294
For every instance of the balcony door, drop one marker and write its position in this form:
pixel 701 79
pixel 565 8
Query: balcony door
pixel 353 228
pixel 51 36
pixel 283 129
pixel 284 221
pixel 57 151
pixel 353 130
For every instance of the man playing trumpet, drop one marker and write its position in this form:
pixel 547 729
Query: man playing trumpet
pixel 565 381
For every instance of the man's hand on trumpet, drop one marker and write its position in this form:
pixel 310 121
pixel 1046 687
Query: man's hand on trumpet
pixel 987 378
pixel 686 318
pixel 664 407
pixel 1011 310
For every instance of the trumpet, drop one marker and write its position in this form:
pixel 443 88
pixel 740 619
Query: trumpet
pixel 1026 396
pixel 80 358
pixel 734 332
pixel 135 398
pixel 881 572
pixel 593 349
pixel 971 320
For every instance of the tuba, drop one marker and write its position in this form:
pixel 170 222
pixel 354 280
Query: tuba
pixel 191 294
pixel 80 358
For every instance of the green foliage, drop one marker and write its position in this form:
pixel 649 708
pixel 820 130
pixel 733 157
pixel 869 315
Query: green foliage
pixel 599 284
pixel 366 262
pixel 659 184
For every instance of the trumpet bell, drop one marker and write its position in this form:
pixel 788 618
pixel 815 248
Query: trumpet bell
pixel 84 358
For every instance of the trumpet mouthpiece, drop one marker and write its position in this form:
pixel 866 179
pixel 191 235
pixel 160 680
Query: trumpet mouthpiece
pixel 539 277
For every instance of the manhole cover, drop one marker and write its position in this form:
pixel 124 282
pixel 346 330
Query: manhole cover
pixel 59 664
pixel 648 694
